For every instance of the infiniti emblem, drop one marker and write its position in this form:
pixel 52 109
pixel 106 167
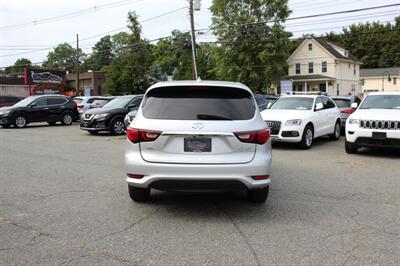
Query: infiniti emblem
pixel 198 126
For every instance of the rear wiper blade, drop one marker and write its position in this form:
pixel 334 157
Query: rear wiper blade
pixel 211 117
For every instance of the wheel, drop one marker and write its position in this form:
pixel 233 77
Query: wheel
pixel 259 195
pixel 307 138
pixel 20 121
pixel 338 131
pixel 139 194
pixel 66 118
pixel 6 125
pixel 92 132
pixel 117 127
pixel 51 123
pixel 351 147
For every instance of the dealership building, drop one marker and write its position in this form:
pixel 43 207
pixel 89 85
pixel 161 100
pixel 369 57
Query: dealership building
pixel 36 81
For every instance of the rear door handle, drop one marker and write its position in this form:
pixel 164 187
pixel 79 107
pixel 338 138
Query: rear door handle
pixel 46 108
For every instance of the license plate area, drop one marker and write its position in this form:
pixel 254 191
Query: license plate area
pixel 379 135
pixel 197 144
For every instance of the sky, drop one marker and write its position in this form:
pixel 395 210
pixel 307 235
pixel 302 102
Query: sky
pixel 32 28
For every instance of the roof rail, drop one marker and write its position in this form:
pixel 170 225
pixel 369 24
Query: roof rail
pixel 307 93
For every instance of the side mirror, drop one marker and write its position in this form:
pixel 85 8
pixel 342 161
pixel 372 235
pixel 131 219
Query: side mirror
pixel 269 105
pixel 132 106
pixel 354 105
pixel 33 105
pixel 319 106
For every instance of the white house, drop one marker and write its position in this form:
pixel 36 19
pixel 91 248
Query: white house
pixel 320 65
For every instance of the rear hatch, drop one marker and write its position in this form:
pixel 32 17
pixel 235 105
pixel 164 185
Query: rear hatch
pixel 198 125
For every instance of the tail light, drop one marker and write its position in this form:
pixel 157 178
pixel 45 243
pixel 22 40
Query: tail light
pixel 74 105
pixel 260 177
pixel 135 176
pixel 348 111
pixel 80 106
pixel 139 135
pixel 258 137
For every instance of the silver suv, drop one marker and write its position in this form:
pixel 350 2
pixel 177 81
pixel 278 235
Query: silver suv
pixel 195 135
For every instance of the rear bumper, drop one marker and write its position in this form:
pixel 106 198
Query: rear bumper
pixel 170 176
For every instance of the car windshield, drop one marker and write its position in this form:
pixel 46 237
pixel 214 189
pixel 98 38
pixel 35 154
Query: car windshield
pixel 381 102
pixel 119 102
pixel 199 103
pixel 293 103
pixel 25 102
pixel 342 103
pixel 77 100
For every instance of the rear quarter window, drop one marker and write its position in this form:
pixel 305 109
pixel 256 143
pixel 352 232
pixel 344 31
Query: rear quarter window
pixel 198 103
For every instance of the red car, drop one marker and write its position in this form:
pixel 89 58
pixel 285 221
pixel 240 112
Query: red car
pixel 8 100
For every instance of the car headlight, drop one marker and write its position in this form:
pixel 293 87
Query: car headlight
pixel 99 116
pixel 353 121
pixel 4 112
pixel 293 122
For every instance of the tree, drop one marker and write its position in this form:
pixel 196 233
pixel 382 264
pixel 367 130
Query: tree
pixel 63 57
pixel 253 43
pixel 102 53
pixel 174 54
pixel 129 71
pixel 18 67
pixel 375 44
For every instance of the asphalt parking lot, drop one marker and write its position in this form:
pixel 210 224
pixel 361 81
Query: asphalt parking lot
pixel 64 201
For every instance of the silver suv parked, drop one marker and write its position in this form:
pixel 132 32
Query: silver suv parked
pixel 194 135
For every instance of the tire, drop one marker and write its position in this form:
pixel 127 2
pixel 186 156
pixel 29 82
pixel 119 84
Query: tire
pixel 117 126
pixel 351 148
pixel 337 131
pixel 20 121
pixel 139 194
pixel 92 132
pixel 67 119
pixel 307 138
pixel 259 195
pixel 51 123
pixel 6 126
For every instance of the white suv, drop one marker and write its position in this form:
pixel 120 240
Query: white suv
pixel 301 118
pixel 194 135
pixel 376 123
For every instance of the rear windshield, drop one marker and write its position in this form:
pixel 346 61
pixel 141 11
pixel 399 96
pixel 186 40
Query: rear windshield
pixel 199 103
pixel 342 103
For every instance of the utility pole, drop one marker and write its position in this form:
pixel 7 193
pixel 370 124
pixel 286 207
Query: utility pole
pixel 77 65
pixel 194 65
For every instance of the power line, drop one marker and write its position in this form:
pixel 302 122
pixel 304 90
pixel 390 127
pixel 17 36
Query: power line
pixel 94 36
pixel 311 16
pixel 69 15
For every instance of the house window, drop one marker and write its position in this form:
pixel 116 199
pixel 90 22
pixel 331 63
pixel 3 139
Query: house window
pixel 349 65
pixel 354 71
pixel 310 47
pixel 311 67
pixel 298 67
pixel 324 66
pixel 394 81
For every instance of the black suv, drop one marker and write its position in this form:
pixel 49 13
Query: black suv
pixel 110 118
pixel 45 108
